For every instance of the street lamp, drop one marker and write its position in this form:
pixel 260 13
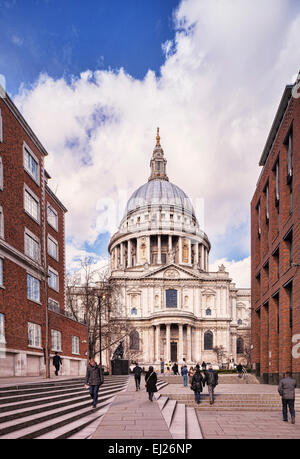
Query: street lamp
pixel 100 326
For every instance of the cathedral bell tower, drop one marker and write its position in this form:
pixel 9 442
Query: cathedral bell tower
pixel 158 162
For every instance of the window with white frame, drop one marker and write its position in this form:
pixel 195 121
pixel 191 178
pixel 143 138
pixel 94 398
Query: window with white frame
pixel 34 335
pixel 56 340
pixel 2 329
pixel 1 272
pixel 1 174
pixel 33 288
pixel 52 217
pixel 75 345
pixel 32 245
pixel 31 163
pixel 53 305
pixel 53 280
pixel 52 247
pixel 31 205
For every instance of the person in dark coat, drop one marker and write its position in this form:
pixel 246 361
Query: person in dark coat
pixel 57 362
pixel 137 371
pixel 184 374
pixel 286 390
pixel 93 380
pixel 175 369
pixel 203 365
pixel 151 380
pixel 239 368
pixel 197 384
pixel 211 379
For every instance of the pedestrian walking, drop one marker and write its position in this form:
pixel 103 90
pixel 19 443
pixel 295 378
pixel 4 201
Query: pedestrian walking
pixel 93 380
pixel 169 366
pixel 239 368
pixel 184 374
pixel 197 384
pixel 175 369
pixel 137 371
pixel 57 362
pixel 211 379
pixel 162 366
pixel 191 374
pixel 286 390
pixel 150 383
pixel 203 365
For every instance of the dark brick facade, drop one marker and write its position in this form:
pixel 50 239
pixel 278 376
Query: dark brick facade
pixel 275 248
pixel 16 309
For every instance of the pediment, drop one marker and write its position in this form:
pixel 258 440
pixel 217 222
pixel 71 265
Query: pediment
pixel 171 272
pixel 208 292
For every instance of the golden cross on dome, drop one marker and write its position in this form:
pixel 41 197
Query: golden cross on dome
pixel 157 138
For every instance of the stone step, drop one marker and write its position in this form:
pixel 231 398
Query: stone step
pixel 193 430
pixel 168 411
pixel 11 404
pixel 178 423
pixel 162 401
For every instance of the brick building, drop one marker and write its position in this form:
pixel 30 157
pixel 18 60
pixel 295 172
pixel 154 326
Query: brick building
pixel 275 248
pixel 32 259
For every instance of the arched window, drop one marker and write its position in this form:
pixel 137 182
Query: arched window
pixel 134 340
pixel 171 298
pixel 240 346
pixel 208 341
pixel 208 312
pixel 240 322
pixel 133 311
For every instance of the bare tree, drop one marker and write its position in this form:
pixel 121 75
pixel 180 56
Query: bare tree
pixel 96 299
pixel 220 353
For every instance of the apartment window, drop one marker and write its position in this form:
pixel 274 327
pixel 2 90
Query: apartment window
pixel 291 199
pixel 31 205
pixel 1 272
pixel 32 246
pixel 53 305
pixel 53 280
pixel 1 127
pixel 289 242
pixel 289 145
pixel 56 340
pixel 1 174
pixel 2 329
pixel 33 288
pixel 52 247
pixel 276 299
pixel 266 191
pixel 291 304
pixel 52 217
pixel 34 335
pixel 276 259
pixel 258 219
pixel 277 183
pixel 75 345
pixel 31 163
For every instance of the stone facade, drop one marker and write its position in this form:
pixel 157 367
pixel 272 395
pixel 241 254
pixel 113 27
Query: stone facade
pixel 160 260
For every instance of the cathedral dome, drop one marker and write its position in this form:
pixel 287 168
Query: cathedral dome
pixel 159 192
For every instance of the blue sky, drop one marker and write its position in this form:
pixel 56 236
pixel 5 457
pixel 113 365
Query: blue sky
pixel 63 38
pixel 94 79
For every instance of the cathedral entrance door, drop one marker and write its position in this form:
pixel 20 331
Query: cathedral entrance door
pixel 173 351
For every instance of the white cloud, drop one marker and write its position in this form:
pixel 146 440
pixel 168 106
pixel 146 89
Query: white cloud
pixel 216 97
pixel 239 271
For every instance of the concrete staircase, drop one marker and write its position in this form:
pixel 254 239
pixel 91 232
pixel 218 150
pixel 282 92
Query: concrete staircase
pixel 181 420
pixel 233 402
pixel 55 409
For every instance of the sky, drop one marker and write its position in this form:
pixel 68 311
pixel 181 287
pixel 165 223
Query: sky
pixel 94 79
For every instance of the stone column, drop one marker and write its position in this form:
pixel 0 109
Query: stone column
pixel 159 249
pixel 207 261
pixel 168 342
pixel 189 343
pixel 180 249
pixel 196 255
pixel 122 254
pixel 202 257
pixel 148 250
pixel 190 252
pixel 151 344
pixel 180 347
pixel 157 343
pixel 170 243
pixel 129 253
